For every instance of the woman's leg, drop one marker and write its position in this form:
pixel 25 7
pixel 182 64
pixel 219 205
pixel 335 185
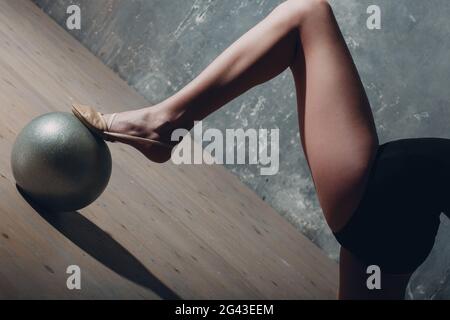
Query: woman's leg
pixel 262 53
pixel 336 123
pixel 337 129
pixel 353 281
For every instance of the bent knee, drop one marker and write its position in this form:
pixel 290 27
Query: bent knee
pixel 296 11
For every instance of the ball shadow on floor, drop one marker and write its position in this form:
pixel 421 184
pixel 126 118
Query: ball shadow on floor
pixel 102 247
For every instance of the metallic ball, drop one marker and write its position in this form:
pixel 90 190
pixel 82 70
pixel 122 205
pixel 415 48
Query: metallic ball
pixel 59 163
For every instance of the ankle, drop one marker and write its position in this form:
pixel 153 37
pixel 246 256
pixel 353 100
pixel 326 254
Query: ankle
pixel 159 122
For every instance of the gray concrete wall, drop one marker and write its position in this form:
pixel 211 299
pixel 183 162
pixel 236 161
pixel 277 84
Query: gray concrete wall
pixel 160 45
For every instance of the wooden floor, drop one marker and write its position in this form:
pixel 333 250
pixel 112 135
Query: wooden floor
pixel 158 231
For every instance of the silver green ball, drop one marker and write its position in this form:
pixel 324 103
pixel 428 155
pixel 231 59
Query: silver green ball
pixel 59 163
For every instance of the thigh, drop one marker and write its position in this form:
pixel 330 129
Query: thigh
pixel 336 123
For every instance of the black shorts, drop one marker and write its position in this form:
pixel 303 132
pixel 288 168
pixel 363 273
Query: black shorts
pixel 397 219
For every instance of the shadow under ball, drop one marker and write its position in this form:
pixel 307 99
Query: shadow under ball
pixel 59 163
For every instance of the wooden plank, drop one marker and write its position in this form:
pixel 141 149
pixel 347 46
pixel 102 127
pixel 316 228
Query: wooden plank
pixel 158 230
